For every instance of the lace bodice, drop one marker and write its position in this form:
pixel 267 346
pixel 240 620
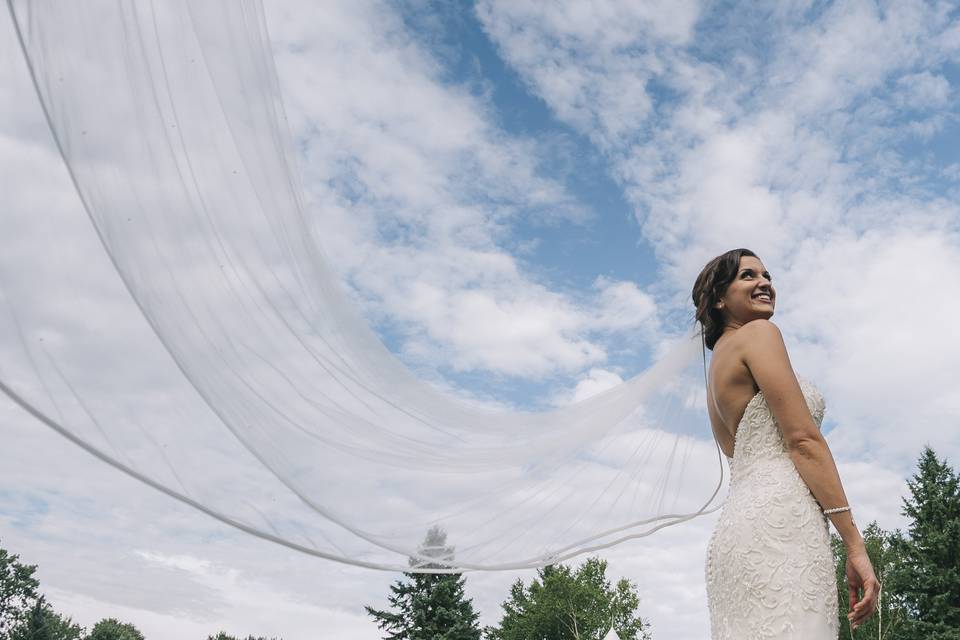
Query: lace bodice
pixel 754 441
pixel 770 568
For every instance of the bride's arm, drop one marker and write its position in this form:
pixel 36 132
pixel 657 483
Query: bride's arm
pixel 766 356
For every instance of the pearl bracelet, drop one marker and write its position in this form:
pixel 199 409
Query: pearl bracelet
pixel 837 510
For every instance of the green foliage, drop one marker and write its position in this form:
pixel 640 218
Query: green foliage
pixel 113 629
pixel 18 590
pixel 919 573
pixel 566 604
pixel 42 623
pixel 891 610
pixel 429 606
pixel 224 636
pixel 928 577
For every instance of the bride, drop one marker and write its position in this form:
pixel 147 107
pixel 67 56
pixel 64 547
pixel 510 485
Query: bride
pixel 769 568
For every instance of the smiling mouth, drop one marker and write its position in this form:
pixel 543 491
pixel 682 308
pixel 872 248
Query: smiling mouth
pixel 763 297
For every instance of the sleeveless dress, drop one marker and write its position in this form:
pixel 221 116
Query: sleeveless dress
pixel 769 570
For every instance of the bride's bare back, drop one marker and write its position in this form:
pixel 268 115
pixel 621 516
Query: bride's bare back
pixel 731 387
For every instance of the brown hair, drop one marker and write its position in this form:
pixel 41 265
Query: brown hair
pixel 711 284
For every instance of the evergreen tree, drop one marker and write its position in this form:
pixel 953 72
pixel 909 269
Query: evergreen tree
pixel 42 623
pixel 892 612
pixel 113 629
pixel 562 604
pixel 34 625
pixel 928 578
pixel 429 606
pixel 18 590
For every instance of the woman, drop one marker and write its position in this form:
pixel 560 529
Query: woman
pixel 769 568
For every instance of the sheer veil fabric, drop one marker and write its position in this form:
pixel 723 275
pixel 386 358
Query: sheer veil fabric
pixel 269 403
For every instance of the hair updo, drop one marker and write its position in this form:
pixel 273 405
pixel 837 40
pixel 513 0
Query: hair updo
pixel 710 286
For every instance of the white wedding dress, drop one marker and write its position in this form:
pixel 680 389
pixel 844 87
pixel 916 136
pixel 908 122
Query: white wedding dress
pixel 770 571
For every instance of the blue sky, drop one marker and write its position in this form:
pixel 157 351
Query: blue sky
pixel 566 170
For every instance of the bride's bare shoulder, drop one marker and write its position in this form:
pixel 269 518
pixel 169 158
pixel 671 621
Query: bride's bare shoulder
pixel 761 348
pixel 755 338
pixel 760 333
pixel 759 329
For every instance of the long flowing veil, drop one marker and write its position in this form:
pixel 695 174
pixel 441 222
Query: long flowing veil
pixel 270 403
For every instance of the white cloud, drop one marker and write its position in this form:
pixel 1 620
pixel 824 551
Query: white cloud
pixel 836 59
pixel 596 381
pixel 519 335
pixel 878 307
pixel 590 62
pixel 923 91
pixel 623 305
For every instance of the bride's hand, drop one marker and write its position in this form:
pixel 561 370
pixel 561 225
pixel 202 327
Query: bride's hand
pixel 860 576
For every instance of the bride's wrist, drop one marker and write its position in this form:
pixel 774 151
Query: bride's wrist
pixel 854 543
pixel 846 526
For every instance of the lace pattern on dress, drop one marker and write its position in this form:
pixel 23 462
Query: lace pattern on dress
pixel 770 568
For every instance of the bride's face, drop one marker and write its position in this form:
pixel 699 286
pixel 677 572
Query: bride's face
pixel 750 295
